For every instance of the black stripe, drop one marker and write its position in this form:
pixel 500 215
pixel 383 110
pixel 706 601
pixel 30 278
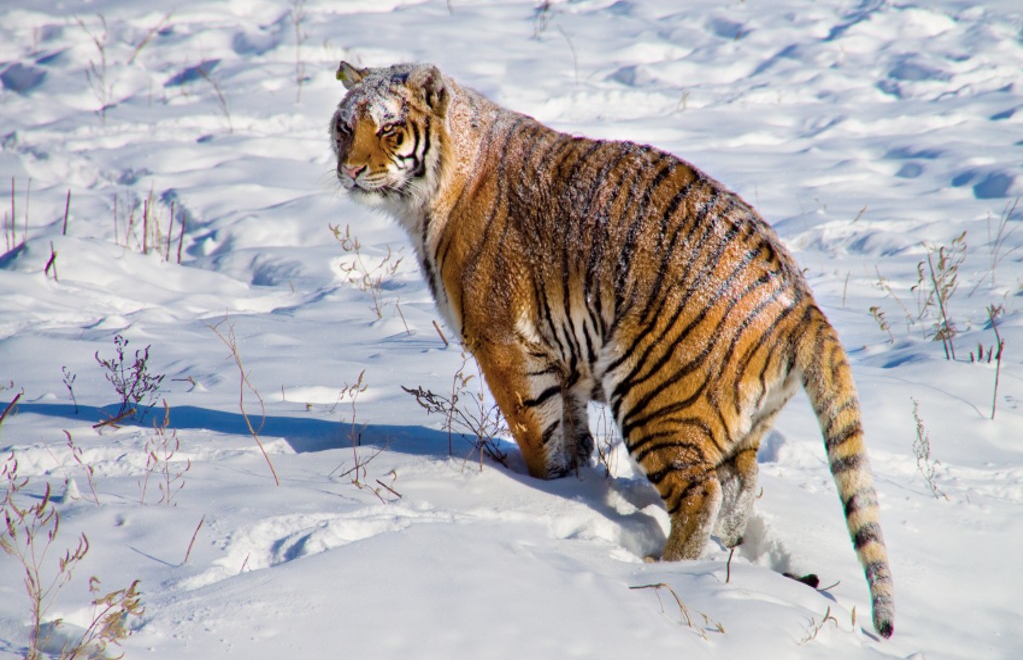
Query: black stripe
pixel 879 572
pixel 428 266
pixel 867 534
pixel 543 397
pixel 848 464
pixel 849 404
pixel 679 498
pixel 548 433
pixel 693 480
pixel 835 440
pixel 865 498
pixel 695 281
pixel 779 346
pixel 602 238
pixel 634 378
pixel 500 203
pixel 775 345
pixel 625 255
pixel 655 442
pixel 668 250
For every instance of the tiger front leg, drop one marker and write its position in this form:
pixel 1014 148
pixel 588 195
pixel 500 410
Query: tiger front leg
pixel 529 393
pixel 578 440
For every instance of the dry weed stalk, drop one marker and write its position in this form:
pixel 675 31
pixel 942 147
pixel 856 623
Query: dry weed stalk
pixel 993 352
pixel 28 535
pixel 922 450
pixel 97 72
pixel 997 238
pixel 69 382
pixel 466 412
pixel 77 454
pixel 944 279
pixel 297 20
pixel 882 322
pixel 110 621
pixel 817 626
pixel 161 448
pixel 229 340
pixel 937 282
pixel 51 263
pixel 366 276
pixel 218 90
pixel 133 382
pixel 709 624
pixel 886 286
pixel 152 32
pixel 195 535
pixel 10 406
pixel 358 471
pixel 10 226
pixel 352 392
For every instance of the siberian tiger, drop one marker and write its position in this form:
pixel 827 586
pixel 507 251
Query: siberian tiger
pixel 578 269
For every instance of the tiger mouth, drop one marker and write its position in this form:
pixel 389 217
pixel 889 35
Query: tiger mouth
pixel 369 187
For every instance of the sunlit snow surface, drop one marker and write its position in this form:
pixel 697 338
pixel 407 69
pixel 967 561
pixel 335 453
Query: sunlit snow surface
pixel 869 134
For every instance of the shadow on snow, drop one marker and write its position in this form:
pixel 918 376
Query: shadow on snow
pixel 303 434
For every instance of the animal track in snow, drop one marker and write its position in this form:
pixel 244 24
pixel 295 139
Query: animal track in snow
pixel 281 539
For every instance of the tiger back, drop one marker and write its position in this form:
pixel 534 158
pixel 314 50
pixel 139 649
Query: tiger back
pixel 578 269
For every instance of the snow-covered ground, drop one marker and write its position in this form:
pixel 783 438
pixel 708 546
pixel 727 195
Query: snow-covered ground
pixel 871 134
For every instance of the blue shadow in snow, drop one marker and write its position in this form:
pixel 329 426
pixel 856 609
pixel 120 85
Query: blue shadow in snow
pixel 303 434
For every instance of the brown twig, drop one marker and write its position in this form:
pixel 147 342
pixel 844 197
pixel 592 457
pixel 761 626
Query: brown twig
pixel 170 232
pixel 181 236
pixel 149 37
pixel 441 333
pixel 946 329
pixel 992 312
pixel 67 209
pixel 681 606
pixel 389 489
pixel 192 542
pixel 10 407
pixel 145 226
pixel 114 420
pixel 52 263
pixel 232 345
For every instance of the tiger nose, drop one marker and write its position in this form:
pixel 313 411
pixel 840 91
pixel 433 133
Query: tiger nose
pixel 353 171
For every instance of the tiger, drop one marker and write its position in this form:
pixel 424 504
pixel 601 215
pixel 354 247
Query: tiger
pixel 578 270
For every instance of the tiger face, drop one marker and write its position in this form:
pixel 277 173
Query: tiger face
pixel 383 132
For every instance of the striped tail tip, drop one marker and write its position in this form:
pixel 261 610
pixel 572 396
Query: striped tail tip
pixel 884 616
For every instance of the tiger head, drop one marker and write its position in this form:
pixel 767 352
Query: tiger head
pixel 387 132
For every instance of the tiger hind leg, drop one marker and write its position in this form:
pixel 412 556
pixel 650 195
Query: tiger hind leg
pixel 681 464
pixel 738 479
pixel 688 484
pixel 693 498
pixel 738 472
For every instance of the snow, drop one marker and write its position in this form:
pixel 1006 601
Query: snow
pixel 869 134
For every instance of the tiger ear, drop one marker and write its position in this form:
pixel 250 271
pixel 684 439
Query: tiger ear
pixel 349 75
pixel 428 79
